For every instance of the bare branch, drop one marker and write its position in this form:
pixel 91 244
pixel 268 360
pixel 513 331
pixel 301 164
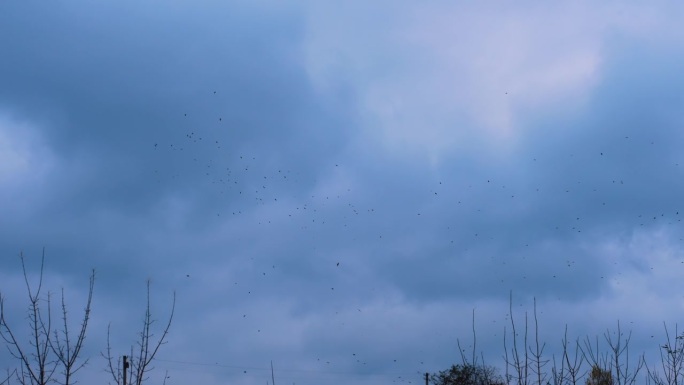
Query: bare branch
pixel 145 350
pixel 538 352
pixel 116 373
pixel 36 366
pixel 66 350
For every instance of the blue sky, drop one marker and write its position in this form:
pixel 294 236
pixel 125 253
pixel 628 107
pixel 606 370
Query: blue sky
pixel 335 186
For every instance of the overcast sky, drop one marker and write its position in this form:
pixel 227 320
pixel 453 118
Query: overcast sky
pixel 336 186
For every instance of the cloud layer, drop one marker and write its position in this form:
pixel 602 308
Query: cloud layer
pixel 335 187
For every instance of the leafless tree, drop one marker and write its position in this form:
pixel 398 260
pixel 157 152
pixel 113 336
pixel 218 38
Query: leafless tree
pixel 592 354
pixel 464 359
pixel 8 377
pixel 475 369
pixel 143 353
pixel 538 361
pixel 573 367
pixel 519 363
pixel 49 350
pixel 570 370
pixel 619 352
pixel 616 359
pixel 671 360
pixel 558 375
pixel 65 348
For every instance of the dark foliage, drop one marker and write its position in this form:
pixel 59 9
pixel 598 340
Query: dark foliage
pixel 599 376
pixel 468 374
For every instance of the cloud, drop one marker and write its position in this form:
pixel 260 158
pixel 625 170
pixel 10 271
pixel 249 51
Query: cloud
pixel 24 156
pixel 432 77
pixel 322 180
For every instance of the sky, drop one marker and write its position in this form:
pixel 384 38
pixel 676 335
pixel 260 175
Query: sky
pixel 338 187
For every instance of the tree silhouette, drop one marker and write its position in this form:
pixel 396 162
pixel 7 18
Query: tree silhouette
pixel 467 374
pixel 52 353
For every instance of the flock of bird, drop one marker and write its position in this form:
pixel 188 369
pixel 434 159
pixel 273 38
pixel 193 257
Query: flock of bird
pixel 339 213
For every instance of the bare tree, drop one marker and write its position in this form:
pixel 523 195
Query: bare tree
pixel 616 360
pixel 559 376
pixel 573 367
pixel 592 354
pixel 8 377
pixel 65 348
pixel 619 353
pixel 143 353
pixel 537 355
pixel 519 363
pixel 464 359
pixel 671 360
pixel 48 349
pixel 35 367
pixel 569 372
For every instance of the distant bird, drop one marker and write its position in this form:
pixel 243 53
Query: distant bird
pixel 338 263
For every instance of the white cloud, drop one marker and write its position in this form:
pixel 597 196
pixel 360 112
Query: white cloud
pixel 21 151
pixel 25 162
pixel 430 76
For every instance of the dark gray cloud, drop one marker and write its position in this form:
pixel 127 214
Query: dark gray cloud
pixel 327 198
